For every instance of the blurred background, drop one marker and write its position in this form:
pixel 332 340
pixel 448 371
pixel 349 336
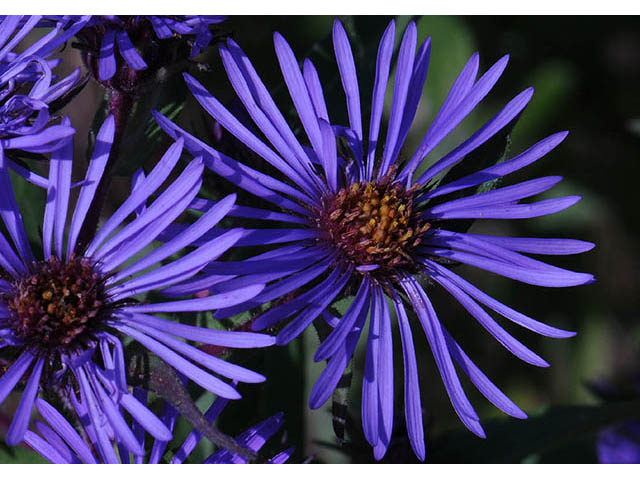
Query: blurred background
pixel 586 74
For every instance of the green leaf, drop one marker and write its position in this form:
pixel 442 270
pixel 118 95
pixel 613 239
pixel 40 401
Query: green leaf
pixel 19 455
pixel 512 440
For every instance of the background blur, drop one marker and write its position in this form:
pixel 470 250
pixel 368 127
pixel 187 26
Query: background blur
pixel 586 74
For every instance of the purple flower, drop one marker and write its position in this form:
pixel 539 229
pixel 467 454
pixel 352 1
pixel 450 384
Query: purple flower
pixel 60 311
pixel 59 442
pixel 105 33
pixel 620 444
pixel 367 222
pixel 27 84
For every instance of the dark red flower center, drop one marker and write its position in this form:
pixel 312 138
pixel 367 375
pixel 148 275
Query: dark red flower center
pixel 373 223
pixel 57 305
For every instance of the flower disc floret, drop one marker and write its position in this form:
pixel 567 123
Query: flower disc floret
pixel 373 223
pixel 57 304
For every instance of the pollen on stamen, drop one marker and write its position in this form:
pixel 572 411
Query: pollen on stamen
pixel 373 223
pixel 57 304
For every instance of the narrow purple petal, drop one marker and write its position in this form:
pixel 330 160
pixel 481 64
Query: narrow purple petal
pixel 13 375
pixel 157 176
pixel 211 362
pixel 107 58
pixel 175 271
pixel 418 77
pixel 65 430
pixel 498 307
pixel 298 90
pixel 370 397
pixel 314 308
pixel 480 380
pixel 146 418
pixel 412 404
pixel 205 335
pixel 329 156
pixel 330 376
pixel 499 333
pixel 442 356
pixel 169 417
pixel 214 214
pixel 543 246
pixel 21 418
pixel 279 289
pixel 56 442
pixel 199 376
pixel 338 335
pixel 266 115
pixel 544 278
pixel 314 87
pixel 129 52
pixel 383 64
pixel 151 225
pixel 385 378
pixel 212 302
pixel 501 169
pixel 44 448
pixel 242 133
pixel 511 211
pixel 404 69
pixel 117 421
pixel 244 177
pixel 10 213
pixel 348 75
pixel 283 311
pixel 101 151
pixel 493 126
pixel 498 196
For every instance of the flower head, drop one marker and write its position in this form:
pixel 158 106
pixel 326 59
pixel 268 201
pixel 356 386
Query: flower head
pixel 62 314
pixel 132 34
pixel 620 444
pixel 362 220
pixel 27 85
pixel 59 442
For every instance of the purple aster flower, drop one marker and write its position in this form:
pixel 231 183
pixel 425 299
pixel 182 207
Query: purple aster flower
pixel 59 442
pixel 367 221
pixel 27 84
pixel 62 315
pixel 620 444
pixel 106 33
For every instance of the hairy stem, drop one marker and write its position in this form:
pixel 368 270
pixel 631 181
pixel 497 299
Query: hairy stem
pixel 155 375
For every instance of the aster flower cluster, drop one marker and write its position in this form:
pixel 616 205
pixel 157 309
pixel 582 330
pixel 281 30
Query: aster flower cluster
pixel 343 213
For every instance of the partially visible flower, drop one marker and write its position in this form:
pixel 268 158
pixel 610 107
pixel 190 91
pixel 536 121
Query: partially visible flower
pixel 59 442
pixel 27 84
pixel 620 444
pixel 62 314
pixel 106 33
pixel 364 220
